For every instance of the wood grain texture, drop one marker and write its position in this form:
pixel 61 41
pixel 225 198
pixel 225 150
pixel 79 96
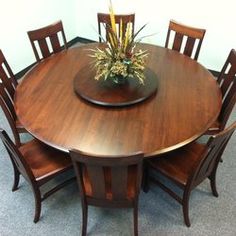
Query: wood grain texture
pixel 187 103
pixel 107 93
pixel 108 182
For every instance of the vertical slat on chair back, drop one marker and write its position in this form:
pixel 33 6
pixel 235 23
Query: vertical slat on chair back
pixel 55 43
pixel 108 176
pixel 51 32
pixel 106 21
pixel 16 157
pixel 189 46
pixel 7 100
pixel 97 180
pixel 212 156
pixel 9 111
pixel 6 76
pixel 227 82
pixel 44 48
pixel 119 176
pixel 177 42
pixel 192 34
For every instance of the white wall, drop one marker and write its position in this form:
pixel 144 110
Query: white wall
pixel 18 17
pixel 80 19
pixel 216 16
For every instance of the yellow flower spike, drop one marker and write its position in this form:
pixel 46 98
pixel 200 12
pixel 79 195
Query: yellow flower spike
pixel 111 40
pixel 112 17
pixel 127 36
pixel 121 30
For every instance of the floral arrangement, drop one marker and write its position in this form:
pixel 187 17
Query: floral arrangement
pixel 119 58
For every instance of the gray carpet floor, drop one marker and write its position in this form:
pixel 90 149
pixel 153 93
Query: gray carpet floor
pixel 158 213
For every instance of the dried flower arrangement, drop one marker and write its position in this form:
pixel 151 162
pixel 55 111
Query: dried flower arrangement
pixel 119 58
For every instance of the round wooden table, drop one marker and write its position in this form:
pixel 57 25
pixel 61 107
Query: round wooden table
pixel 187 102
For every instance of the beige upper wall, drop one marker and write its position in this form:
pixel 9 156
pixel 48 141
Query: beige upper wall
pixel 79 19
pixel 216 16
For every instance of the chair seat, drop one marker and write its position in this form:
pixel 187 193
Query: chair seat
pixel 177 165
pixel 44 160
pixel 130 185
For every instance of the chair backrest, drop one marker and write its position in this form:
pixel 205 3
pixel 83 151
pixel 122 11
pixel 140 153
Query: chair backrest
pixel 9 111
pixel 50 32
pixel 227 82
pixel 194 38
pixel 16 157
pixel 212 155
pixel 104 19
pixel 6 76
pixel 110 177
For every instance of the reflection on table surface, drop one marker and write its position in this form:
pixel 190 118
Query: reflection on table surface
pixel 186 104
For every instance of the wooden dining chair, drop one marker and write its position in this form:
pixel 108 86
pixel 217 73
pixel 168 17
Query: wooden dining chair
pixel 194 37
pixel 7 106
pixel 38 164
pixel 40 36
pixel 104 19
pixel 227 83
pixel 6 76
pixel 187 167
pixel 108 182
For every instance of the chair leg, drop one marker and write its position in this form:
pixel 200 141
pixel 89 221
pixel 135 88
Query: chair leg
pixel 145 180
pixel 135 212
pixel 85 218
pixel 16 179
pixel 213 184
pixel 185 205
pixel 38 204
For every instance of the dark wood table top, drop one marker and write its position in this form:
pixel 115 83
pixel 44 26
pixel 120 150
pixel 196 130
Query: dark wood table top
pixel 187 102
